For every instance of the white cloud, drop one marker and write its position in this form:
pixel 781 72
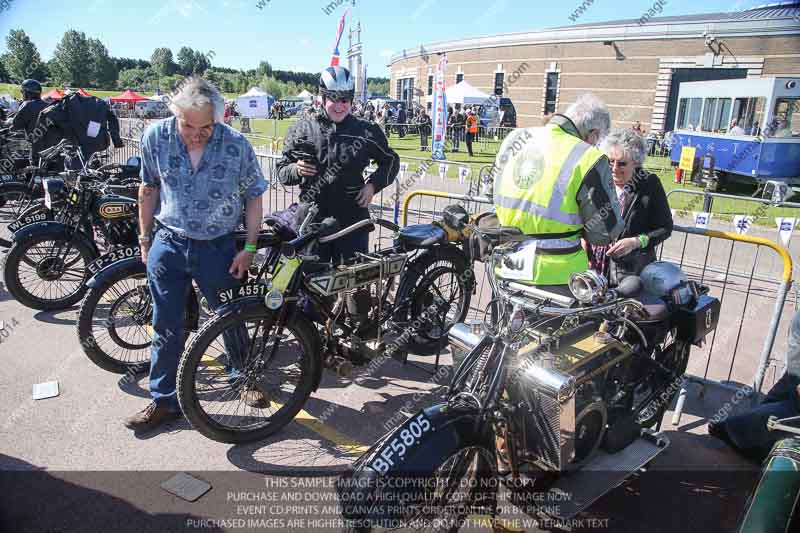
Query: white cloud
pixel 305 43
pixel 387 53
pixel 174 8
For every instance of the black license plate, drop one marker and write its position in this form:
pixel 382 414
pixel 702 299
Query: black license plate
pixel 112 257
pixel 33 218
pixel 402 442
pixel 243 291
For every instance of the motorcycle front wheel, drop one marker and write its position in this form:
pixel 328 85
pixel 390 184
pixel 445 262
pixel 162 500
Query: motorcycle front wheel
pixel 114 323
pixel 210 382
pixel 47 273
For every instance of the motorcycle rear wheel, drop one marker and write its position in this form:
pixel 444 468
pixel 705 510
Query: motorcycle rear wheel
pixel 204 380
pixel 113 324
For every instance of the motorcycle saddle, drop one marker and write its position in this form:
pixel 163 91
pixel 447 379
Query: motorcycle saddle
pixel 421 235
pixel 655 306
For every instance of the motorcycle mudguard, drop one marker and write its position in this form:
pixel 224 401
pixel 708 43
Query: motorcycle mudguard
pixel 373 492
pixel 248 302
pixel 54 230
pixel 120 269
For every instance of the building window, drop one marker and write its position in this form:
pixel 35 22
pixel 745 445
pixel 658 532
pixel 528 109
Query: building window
pixel 430 85
pixel 459 78
pixel 498 83
pixel 405 89
pixel 551 93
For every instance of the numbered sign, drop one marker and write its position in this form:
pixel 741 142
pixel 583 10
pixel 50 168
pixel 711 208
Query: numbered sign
pixel 463 172
pixel 742 224
pixel 442 171
pixel 403 169
pixel 785 228
pixel 701 220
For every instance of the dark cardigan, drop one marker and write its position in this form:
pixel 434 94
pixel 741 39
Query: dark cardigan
pixel 646 209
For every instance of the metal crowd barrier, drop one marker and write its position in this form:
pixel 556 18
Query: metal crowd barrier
pixel 744 295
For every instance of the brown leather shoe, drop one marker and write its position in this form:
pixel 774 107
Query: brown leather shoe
pixel 254 398
pixel 150 417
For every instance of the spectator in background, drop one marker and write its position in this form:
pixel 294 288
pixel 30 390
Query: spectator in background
pixel 401 121
pixel 424 125
pixel 645 211
pixel 637 127
pixel 471 125
pixel 735 128
pixel 453 127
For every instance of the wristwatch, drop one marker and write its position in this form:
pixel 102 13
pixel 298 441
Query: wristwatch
pixel 144 239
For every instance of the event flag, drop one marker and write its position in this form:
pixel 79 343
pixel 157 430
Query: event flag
pixel 439 111
pixel 339 32
pixel 785 228
pixel 742 224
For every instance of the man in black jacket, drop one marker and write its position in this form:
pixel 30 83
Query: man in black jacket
pixel 326 154
pixel 28 114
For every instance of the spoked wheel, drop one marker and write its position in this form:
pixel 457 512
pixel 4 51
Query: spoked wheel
pixel 436 299
pixel 46 273
pixel 14 199
pixel 114 324
pixel 458 489
pixel 237 352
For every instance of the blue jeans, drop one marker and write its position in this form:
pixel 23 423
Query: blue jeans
pixel 172 263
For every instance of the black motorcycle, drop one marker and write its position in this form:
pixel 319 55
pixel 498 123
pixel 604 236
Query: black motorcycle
pixel 557 380
pixel 46 267
pixel 262 338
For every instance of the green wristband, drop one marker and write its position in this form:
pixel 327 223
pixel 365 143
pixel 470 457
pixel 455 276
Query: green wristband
pixel 250 248
pixel 644 240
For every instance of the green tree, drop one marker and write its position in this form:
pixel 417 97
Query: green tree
pixel 70 60
pixel 138 79
pixel 103 69
pixel 264 69
pixel 201 63
pixel 162 62
pixel 186 61
pixel 3 73
pixel 22 59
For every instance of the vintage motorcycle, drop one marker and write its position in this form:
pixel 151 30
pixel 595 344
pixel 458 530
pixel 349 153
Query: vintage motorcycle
pixel 46 266
pixel 262 338
pixel 558 382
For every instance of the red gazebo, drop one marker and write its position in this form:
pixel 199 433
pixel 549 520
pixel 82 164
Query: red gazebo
pixel 128 97
pixel 55 94
pixel 83 92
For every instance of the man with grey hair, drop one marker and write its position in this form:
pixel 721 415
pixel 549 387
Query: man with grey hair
pixel 555 185
pixel 197 173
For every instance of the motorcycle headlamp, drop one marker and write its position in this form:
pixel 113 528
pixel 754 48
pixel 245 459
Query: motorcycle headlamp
pixel 587 287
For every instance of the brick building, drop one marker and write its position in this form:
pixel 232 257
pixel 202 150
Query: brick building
pixel 634 65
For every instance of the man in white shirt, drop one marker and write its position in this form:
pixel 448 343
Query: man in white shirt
pixel 735 129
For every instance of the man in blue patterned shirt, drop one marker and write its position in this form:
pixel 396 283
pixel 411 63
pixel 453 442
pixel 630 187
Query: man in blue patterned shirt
pixel 197 173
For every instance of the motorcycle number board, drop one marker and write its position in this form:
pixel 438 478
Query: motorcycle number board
pixel 401 443
pixel 33 218
pixel 112 257
pixel 243 291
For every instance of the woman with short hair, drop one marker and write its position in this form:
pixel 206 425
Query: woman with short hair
pixel 645 210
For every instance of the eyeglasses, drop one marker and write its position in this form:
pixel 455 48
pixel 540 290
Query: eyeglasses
pixel 619 163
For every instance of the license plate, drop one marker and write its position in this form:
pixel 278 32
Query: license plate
pixel 243 291
pixel 112 257
pixel 402 442
pixel 27 220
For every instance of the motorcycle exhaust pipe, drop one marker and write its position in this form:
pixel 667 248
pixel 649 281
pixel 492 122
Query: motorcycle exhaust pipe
pixel 463 339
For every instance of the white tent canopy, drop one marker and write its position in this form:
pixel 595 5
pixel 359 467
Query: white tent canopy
pixel 464 93
pixel 306 96
pixel 255 103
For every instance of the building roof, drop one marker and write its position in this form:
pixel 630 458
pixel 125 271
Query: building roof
pixel 765 20
pixel 788 10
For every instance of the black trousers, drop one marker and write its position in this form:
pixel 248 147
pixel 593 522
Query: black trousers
pixel 470 137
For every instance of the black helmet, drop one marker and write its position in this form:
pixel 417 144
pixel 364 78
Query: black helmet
pixel 336 82
pixel 30 87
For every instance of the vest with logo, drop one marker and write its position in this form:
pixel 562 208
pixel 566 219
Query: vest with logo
pixel 541 171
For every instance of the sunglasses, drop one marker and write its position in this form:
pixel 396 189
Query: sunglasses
pixel 621 164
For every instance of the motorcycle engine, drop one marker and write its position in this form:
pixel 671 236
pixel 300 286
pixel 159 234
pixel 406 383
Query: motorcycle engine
pixel 563 392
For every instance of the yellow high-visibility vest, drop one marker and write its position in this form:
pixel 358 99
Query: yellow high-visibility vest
pixel 539 173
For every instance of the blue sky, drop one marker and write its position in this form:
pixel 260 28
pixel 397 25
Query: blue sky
pixel 298 34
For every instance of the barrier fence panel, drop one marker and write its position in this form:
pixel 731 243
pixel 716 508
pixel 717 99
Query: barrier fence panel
pixel 750 329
